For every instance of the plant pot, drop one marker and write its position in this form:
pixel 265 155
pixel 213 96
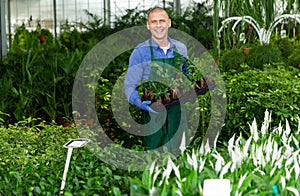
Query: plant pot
pixel 42 38
pixel 246 51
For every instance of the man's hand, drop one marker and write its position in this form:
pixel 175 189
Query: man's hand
pixel 145 105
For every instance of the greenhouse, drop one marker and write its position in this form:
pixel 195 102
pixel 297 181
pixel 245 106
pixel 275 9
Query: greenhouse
pixel 53 14
pixel 156 97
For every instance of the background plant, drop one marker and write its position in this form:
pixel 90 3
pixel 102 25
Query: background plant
pixel 266 163
pixel 251 92
pixel 33 158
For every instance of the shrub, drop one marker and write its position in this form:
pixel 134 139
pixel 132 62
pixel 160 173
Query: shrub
pixel 251 92
pixel 286 48
pixel 232 59
pixel 263 54
pixel 294 59
pixel 33 158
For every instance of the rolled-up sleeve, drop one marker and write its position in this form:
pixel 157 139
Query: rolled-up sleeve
pixel 137 72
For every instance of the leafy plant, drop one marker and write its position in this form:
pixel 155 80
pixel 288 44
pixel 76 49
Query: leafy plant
pixel 267 162
pixel 33 158
pixel 251 92
pixel 232 60
pixel 294 58
pixel 286 47
pixel 263 54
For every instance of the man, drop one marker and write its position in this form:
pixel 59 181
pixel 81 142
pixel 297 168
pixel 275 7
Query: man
pixel 158 48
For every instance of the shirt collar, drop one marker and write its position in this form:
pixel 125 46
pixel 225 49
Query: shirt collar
pixel 155 46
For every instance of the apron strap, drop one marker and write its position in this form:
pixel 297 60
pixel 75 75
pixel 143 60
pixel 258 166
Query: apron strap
pixel 175 51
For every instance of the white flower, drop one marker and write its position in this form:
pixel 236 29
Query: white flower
pixel 179 185
pixel 178 193
pixel 246 148
pixel 237 158
pixel 272 171
pixel 268 149
pixel 284 138
pixel 242 180
pixel 296 142
pixel 260 156
pixel 279 129
pixel 176 170
pixel 166 173
pixel 275 152
pixel 157 172
pixel 192 160
pixel 201 166
pixel 296 167
pixel 152 168
pixel 298 132
pixel 225 170
pixel 283 182
pixel 260 171
pixel 289 161
pixel 237 141
pixel 253 130
pixel 266 122
pixel 230 145
pixel 219 162
pixel 287 127
pixel 183 143
pixel 254 159
pixel 287 174
pixel 296 193
pixel 288 151
pixel 153 191
pixel 278 163
pixel 204 149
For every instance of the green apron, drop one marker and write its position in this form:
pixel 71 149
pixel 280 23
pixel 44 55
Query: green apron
pixel 175 120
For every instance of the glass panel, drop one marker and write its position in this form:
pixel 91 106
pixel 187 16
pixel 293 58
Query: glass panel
pixel 31 12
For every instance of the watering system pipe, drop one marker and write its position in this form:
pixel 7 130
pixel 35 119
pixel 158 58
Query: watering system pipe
pixel 278 20
pixel 263 34
pixel 248 19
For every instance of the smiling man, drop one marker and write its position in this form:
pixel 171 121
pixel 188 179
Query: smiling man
pixel 164 50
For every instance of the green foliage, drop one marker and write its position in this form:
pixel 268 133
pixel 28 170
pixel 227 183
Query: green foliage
pixel 95 31
pixel 33 158
pixel 286 47
pixel 197 22
pixel 268 159
pixel 232 60
pixel 35 83
pixel 251 92
pixel 294 58
pixel 263 54
pixel 70 37
pixel 132 17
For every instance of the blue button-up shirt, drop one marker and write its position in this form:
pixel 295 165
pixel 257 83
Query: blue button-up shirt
pixel 139 64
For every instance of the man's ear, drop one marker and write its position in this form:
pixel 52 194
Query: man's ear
pixel 170 22
pixel 147 25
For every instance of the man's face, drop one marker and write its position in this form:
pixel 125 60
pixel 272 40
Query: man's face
pixel 158 24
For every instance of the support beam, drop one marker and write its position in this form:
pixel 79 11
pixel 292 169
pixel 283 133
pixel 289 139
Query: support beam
pixel 3 42
pixel 55 18
pixel 9 24
pixel 107 12
pixel 177 8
